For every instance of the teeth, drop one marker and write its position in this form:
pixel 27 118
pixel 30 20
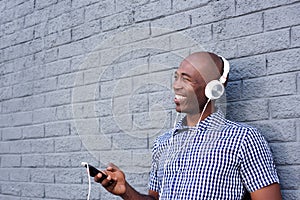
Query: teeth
pixel 179 97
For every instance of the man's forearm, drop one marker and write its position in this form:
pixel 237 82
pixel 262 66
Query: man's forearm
pixel 132 194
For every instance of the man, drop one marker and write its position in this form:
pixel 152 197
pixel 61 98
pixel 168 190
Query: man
pixel 205 156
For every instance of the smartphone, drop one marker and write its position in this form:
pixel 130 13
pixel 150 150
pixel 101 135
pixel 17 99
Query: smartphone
pixel 94 171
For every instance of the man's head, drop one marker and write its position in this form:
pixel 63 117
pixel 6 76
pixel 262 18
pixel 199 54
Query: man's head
pixel 191 78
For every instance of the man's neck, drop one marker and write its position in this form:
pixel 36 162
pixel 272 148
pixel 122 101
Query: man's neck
pixel 193 119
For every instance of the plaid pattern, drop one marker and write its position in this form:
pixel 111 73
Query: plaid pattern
pixel 218 160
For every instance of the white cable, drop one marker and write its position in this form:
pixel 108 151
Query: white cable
pixel 90 186
pixel 204 108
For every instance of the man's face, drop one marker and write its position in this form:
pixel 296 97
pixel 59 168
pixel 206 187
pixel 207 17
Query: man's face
pixel 189 89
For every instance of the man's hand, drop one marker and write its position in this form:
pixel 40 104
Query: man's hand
pixel 115 182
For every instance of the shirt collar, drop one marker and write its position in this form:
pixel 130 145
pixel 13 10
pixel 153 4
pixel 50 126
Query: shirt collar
pixel 215 119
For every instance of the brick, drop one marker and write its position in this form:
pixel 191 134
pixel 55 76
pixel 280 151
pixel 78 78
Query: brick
pixel 71 49
pixel 79 3
pixel 57 68
pixel 45 85
pixel 226 48
pixel 7 15
pixel 138 103
pixel 161 101
pixel 92 75
pixel 122 5
pixel 64 112
pixel 290 194
pixel 4 147
pixel 57 160
pixel 166 61
pixel 295 36
pixel 233 90
pixel 44 115
pixel 86 126
pixel 10 160
pixel 70 80
pixel 86 156
pixel 286 154
pixel 150 122
pixel 57 129
pixel 109 125
pixel 42 146
pixel 33 190
pixel 99 10
pixel 285 107
pixel 181 5
pixel 246 6
pixel 68 176
pixel 33 131
pixel 58 97
pixel 33 102
pixel 124 141
pixel 212 12
pixel 238 27
pixel 13 189
pixel 289 177
pixel 253 110
pixel 11 134
pixel 5 120
pixel 65 191
pixel 42 175
pixel 13 105
pixel 33 160
pixel 141 160
pixel 152 10
pixel 84 110
pixel 40 4
pixel 84 93
pixel 20 175
pixel 59 8
pixel 57 38
pixel 20 146
pixel 6 93
pixel 22 118
pixel 197 35
pixel 283 16
pixel 24 9
pixel 122 158
pixel 170 24
pixel 96 142
pixel 276 85
pixel 277 130
pixel 67 144
pixel 36 17
pixel 284 61
pixel 117 20
pixel 262 43
pixel 86 29
pixel 4 174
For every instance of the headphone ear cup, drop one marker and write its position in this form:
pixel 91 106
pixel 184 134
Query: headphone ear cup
pixel 214 90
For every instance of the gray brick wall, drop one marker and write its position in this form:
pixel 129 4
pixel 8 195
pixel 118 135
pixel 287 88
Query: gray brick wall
pixel 91 81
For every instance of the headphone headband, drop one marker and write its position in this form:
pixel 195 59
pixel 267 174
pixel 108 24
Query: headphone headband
pixel 226 68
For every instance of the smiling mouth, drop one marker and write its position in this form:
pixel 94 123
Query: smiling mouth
pixel 179 97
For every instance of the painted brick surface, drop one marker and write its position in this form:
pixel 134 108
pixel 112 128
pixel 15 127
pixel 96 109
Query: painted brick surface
pixel 91 81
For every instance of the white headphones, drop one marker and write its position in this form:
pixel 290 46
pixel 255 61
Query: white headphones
pixel 215 88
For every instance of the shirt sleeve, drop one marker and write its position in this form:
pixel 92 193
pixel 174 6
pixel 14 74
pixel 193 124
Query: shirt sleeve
pixel 257 166
pixel 153 180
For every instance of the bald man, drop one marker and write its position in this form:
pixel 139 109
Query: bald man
pixel 205 156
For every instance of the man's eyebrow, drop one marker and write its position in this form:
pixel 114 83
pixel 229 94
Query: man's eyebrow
pixel 183 74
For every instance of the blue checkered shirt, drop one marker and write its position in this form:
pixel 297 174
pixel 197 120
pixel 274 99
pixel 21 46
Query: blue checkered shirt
pixel 218 160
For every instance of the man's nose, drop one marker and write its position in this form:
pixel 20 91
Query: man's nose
pixel 177 84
